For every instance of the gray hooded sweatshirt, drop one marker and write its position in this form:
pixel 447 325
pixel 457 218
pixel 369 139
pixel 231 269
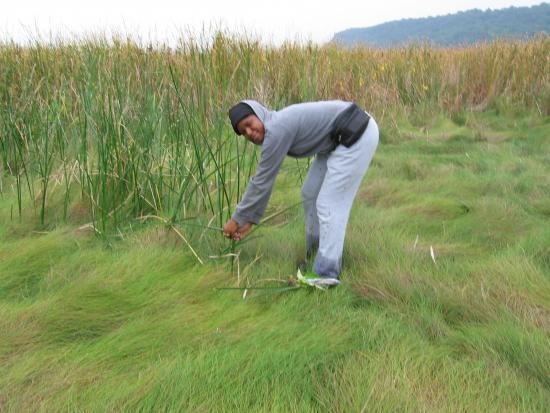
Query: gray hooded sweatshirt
pixel 299 130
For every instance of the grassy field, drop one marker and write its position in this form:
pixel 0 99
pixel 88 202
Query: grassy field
pixel 111 264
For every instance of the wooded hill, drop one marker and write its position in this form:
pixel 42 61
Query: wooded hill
pixel 465 27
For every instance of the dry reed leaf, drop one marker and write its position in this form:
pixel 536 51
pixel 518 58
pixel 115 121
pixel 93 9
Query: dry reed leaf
pixel 432 254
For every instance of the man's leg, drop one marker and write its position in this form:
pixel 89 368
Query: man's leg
pixel 310 191
pixel 345 170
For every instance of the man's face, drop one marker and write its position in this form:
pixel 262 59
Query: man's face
pixel 252 129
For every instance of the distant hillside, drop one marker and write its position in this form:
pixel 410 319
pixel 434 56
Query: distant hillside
pixel 454 29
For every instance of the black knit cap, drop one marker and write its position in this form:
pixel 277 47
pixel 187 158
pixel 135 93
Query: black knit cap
pixel 237 113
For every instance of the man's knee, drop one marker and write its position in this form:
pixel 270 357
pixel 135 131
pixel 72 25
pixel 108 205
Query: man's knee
pixel 308 195
pixel 323 209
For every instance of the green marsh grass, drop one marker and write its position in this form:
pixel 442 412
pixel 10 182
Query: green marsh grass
pixel 140 325
pixel 126 139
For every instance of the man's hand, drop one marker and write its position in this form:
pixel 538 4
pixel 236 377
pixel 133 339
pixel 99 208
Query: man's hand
pixel 242 231
pixel 230 228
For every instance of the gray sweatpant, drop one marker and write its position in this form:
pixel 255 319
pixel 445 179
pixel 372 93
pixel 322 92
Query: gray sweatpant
pixel 328 192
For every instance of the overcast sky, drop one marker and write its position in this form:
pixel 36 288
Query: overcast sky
pixel 165 20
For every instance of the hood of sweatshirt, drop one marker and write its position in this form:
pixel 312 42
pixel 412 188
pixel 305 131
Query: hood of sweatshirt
pixel 260 110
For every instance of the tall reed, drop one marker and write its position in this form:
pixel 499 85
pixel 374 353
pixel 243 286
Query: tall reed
pixel 143 131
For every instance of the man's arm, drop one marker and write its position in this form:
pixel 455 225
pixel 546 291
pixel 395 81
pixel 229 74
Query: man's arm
pixel 257 194
pixel 253 204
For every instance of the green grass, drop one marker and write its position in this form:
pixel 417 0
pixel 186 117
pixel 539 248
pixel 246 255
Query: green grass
pixel 135 323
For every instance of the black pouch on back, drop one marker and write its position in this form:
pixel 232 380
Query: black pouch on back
pixel 349 126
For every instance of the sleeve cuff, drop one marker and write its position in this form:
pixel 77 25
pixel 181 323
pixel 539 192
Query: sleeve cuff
pixel 241 220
